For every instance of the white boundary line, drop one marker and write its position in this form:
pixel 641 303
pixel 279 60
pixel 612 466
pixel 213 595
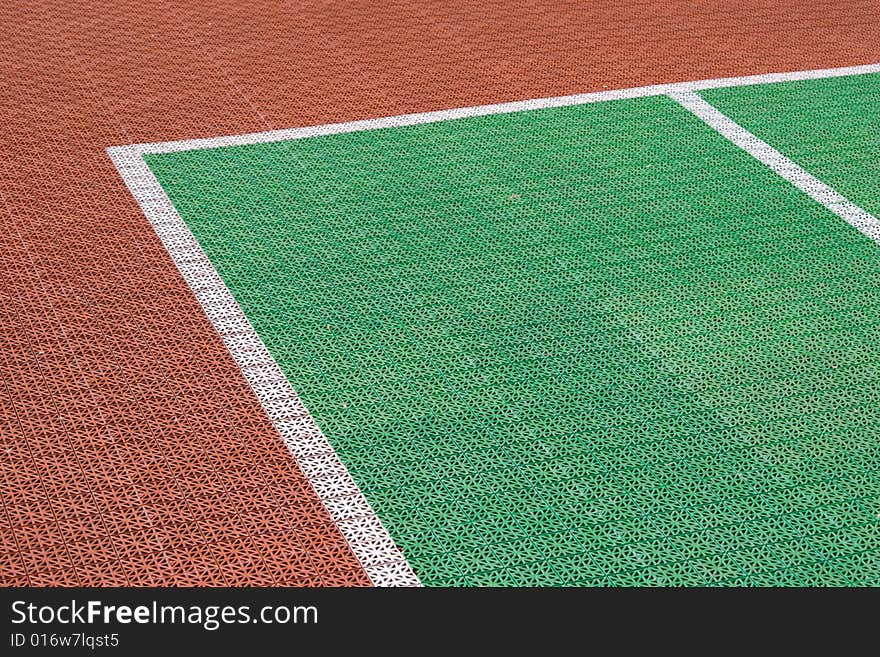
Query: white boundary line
pixel 349 509
pixel 346 504
pixel 500 108
pixel 792 172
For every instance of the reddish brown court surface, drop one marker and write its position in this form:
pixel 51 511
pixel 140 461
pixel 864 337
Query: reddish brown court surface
pixel 133 451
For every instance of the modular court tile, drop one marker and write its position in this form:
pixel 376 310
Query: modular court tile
pixel 592 344
pixel 134 451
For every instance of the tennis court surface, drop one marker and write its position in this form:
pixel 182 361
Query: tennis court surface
pixel 453 295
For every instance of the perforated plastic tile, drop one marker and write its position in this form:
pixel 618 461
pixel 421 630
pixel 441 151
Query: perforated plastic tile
pixel 132 449
pixel 597 344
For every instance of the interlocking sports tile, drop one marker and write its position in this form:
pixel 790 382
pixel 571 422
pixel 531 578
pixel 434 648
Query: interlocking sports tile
pixel 120 410
pixel 577 345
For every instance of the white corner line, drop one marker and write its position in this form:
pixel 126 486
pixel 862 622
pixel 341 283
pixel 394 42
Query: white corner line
pixel 785 167
pixel 346 504
pixel 500 108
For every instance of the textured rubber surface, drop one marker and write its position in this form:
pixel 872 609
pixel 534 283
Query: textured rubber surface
pixel 829 127
pixel 595 345
pixel 133 450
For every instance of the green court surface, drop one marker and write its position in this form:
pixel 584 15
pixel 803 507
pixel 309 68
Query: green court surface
pixel 831 127
pixel 588 345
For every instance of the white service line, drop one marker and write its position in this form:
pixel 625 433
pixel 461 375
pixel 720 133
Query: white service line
pixel 785 167
pixel 349 509
pixel 499 108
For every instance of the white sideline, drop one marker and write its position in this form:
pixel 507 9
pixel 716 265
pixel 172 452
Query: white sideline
pixel 785 167
pixel 500 108
pixel 346 504
pixel 333 484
